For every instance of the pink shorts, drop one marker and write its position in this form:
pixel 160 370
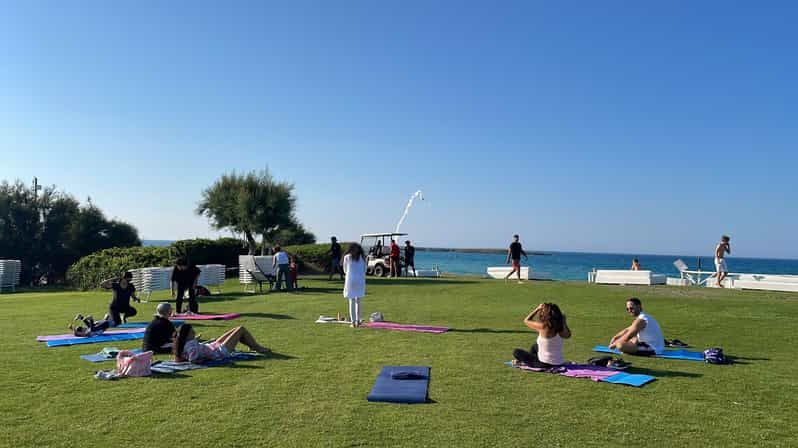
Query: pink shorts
pixel 516 264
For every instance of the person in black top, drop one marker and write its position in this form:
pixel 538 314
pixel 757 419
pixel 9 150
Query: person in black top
pixel 410 255
pixel 159 335
pixel 184 277
pixel 514 252
pixel 120 304
pixel 335 258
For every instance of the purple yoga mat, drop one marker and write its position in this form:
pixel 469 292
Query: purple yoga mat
pixel 60 337
pixel 595 373
pixel 227 316
pixel 407 327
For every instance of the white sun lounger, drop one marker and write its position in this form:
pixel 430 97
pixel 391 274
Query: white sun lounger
pixel 628 277
pixel 500 272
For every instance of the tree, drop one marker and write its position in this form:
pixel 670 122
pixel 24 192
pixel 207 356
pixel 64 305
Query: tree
pixel 52 230
pixel 251 204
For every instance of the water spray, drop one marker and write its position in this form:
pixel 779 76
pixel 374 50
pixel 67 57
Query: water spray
pixel 415 195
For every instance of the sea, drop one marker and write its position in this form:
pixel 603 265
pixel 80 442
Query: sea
pixel 576 265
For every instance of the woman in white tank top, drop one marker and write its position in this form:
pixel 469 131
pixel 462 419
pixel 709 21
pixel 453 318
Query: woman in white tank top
pixel 552 330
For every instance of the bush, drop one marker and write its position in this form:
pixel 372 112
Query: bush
pixel 90 270
pixel 313 254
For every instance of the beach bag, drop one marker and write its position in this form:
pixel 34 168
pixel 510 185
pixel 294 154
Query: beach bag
pixel 376 317
pixel 201 291
pixel 715 355
pixel 133 364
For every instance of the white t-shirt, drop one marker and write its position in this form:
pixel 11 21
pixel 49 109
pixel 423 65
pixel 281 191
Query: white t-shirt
pixel 652 333
pixel 281 257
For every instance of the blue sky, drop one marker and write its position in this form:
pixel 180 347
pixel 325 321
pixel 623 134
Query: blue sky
pixel 595 126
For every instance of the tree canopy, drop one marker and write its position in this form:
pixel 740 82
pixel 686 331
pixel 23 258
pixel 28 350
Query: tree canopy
pixel 52 230
pixel 254 204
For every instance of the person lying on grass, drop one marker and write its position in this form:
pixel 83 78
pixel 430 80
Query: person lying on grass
pixel 643 337
pixel 188 348
pixel 92 328
pixel 552 330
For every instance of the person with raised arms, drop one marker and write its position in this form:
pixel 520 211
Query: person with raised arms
pixel 552 331
pixel 643 337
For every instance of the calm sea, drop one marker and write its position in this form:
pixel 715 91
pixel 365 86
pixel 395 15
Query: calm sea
pixel 576 265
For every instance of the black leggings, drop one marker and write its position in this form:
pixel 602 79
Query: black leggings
pixel 530 357
pixel 193 306
pixel 117 311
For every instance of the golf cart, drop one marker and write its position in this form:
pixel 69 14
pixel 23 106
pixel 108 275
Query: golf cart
pixel 378 248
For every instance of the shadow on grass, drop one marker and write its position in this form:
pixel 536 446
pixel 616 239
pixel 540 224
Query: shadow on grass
pixel 268 316
pixel 420 281
pixel 663 373
pixel 487 330
pixel 169 376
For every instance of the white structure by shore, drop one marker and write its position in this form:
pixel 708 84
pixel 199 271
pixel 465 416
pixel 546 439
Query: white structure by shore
pixel 500 272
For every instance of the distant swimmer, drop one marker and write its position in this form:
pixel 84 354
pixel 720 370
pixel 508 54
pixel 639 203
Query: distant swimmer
pixel 721 250
pixel 636 265
pixel 514 253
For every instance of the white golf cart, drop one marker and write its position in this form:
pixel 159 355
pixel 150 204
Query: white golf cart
pixel 378 248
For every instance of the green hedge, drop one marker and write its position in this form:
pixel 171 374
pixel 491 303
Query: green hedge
pixel 314 254
pixel 90 270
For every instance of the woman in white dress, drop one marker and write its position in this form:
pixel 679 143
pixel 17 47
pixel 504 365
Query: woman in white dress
pixel 355 284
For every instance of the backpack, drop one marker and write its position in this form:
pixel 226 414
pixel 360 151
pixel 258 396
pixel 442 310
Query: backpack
pixel 715 355
pixel 376 317
pixel 201 291
pixel 133 364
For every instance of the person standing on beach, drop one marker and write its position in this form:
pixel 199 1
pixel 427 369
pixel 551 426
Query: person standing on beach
pixel 395 253
pixel 410 255
pixel 721 250
pixel 355 281
pixel 335 258
pixel 184 277
pixel 514 253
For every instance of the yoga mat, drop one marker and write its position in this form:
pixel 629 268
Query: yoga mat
pixel 96 339
pixel 58 337
pixel 227 316
pixel 406 327
pixel 392 390
pixel 173 366
pixel 680 354
pixel 100 357
pixel 176 323
pixel 595 373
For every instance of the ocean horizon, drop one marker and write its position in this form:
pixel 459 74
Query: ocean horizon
pixel 576 265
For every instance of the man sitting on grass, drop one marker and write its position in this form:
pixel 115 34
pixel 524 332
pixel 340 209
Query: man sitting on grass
pixel 644 337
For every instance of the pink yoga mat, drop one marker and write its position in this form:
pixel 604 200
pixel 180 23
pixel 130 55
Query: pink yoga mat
pixel 59 337
pixel 206 316
pixel 407 327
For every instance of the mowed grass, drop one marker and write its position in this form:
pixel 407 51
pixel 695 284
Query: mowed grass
pixel 314 394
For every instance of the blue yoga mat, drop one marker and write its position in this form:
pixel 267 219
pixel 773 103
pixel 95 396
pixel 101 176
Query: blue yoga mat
pixel 681 353
pixel 389 388
pixel 96 339
pixel 629 379
pixel 100 357
pixel 176 323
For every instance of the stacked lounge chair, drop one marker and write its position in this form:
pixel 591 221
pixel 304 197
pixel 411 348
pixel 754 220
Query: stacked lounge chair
pixel 211 275
pixel 10 271
pixel 253 269
pixel 148 280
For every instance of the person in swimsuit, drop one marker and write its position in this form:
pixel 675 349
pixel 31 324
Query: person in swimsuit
pixel 636 264
pixel 721 250
pixel 514 253
pixel 552 330
pixel 643 337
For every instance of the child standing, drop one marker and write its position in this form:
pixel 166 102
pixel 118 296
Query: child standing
pixel 355 281
pixel 294 271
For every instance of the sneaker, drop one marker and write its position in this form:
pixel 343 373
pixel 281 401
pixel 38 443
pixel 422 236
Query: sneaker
pixel 520 282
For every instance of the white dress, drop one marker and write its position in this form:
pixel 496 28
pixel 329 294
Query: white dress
pixel 355 283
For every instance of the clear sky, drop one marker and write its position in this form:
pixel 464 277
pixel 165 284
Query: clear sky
pixel 641 127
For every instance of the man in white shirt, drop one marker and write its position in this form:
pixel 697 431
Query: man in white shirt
pixel 644 337
pixel 281 263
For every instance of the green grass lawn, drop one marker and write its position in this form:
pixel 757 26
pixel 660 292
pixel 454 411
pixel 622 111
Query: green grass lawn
pixel 315 394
